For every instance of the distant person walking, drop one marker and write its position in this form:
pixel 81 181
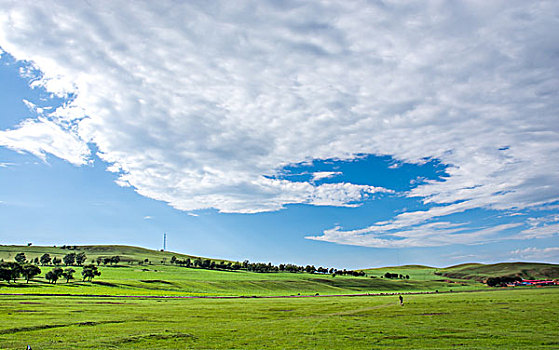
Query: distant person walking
pixel 401 300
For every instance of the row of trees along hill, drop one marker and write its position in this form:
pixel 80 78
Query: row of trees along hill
pixel 12 270
pixel 396 275
pixel 69 259
pixel 259 267
pixel 88 273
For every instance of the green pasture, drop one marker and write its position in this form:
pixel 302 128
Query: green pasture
pixel 176 280
pixel 158 278
pixel 502 318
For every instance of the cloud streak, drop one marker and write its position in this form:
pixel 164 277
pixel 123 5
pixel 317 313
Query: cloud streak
pixel 537 253
pixel 201 105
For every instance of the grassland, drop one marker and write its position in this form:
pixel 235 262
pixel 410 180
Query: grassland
pixel 175 280
pixel 156 278
pixel 472 316
pixel 503 318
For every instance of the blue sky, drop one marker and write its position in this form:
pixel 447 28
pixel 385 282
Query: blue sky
pixel 337 134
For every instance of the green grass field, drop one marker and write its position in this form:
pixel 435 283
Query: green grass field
pixel 175 280
pixel 472 316
pixel 156 278
pixel 502 318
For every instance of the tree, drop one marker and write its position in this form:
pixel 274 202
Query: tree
pixel 58 272
pixel 20 258
pixel 80 258
pixel 99 260
pixel 115 259
pixel 69 259
pixel 9 271
pixel 173 259
pixel 45 259
pixel 89 272
pixel 36 260
pixel 68 274
pixel 56 261
pixel 29 271
pixel 50 277
pixel 54 274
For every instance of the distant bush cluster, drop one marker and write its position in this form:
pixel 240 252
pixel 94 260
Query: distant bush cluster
pixel 502 281
pixel 108 260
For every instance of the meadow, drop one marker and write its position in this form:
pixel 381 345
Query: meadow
pixel 157 305
pixel 502 318
pixel 175 280
pixel 160 277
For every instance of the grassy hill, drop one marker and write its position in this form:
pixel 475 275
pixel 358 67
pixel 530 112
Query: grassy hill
pixel 481 272
pixel 127 254
pixel 134 276
pixel 158 278
pixel 416 272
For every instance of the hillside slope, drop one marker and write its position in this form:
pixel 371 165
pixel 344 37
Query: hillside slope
pixel 126 253
pixel 481 272
pixel 134 276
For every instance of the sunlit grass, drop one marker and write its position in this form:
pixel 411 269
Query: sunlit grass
pixel 507 319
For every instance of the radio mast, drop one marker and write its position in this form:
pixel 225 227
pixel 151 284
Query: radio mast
pixel 164 241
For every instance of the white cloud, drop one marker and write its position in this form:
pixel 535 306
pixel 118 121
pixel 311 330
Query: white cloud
pixel 147 217
pixel 533 253
pixel 320 175
pixel 44 136
pixel 540 227
pixel 426 235
pixel 544 231
pixel 197 104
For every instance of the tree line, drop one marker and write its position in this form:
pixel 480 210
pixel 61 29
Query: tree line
pixel 259 267
pixel 10 271
pixel 396 275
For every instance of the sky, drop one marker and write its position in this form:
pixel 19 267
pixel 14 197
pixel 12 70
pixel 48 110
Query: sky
pixel 346 134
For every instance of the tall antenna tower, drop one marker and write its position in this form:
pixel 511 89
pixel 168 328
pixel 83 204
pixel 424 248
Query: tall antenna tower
pixel 164 241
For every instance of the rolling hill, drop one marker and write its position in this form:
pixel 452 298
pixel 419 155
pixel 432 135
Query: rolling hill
pixel 133 275
pixel 480 272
